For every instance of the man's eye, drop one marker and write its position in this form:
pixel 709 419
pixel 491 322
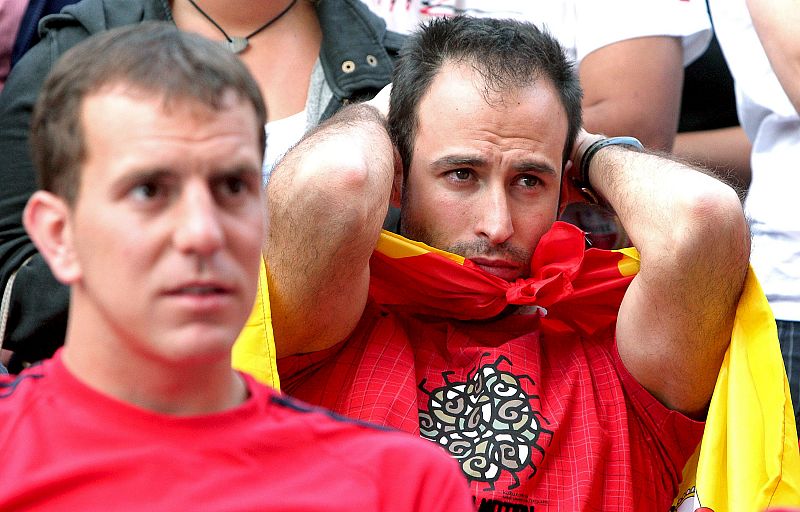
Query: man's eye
pixel 232 186
pixel 235 188
pixel 147 191
pixel 460 174
pixel 527 180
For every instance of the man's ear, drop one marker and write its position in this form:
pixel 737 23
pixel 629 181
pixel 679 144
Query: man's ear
pixel 397 184
pixel 48 222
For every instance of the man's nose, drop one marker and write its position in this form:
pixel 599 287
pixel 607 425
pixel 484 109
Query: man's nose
pixel 494 216
pixel 198 229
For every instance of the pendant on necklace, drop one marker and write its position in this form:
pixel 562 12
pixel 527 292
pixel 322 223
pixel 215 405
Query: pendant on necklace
pixel 236 44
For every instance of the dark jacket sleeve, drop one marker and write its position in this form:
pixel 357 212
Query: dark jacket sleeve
pixel 28 34
pixel 33 313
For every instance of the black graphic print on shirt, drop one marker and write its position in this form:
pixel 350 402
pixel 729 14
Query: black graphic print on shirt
pixel 486 423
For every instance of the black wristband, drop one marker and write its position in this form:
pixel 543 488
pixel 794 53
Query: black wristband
pixel 586 159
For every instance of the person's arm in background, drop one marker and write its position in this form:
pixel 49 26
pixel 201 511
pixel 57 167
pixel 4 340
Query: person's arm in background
pixel 326 201
pixel 776 23
pixel 708 131
pixel 625 94
pixel 725 151
pixel 34 304
pixel 631 57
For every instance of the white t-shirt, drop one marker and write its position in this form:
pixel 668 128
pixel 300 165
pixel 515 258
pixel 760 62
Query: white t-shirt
pixel 773 126
pixel 581 26
pixel 284 133
pixel 281 136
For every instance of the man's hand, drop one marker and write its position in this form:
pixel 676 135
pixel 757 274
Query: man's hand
pixel 570 183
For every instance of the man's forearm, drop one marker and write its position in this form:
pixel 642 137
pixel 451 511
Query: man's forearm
pixel 326 202
pixel 693 241
pixel 658 200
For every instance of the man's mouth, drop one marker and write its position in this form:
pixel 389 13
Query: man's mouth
pixel 504 269
pixel 200 287
pixel 199 290
pixel 201 296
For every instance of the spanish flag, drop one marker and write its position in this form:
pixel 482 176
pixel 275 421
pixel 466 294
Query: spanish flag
pixel 254 350
pixel 580 289
pixel 748 459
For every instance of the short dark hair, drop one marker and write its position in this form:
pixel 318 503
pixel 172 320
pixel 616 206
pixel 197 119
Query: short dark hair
pixel 150 57
pixel 506 54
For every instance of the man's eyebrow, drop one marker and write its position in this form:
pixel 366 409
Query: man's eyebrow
pixel 448 161
pixel 238 170
pixel 534 166
pixel 158 174
pixel 148 174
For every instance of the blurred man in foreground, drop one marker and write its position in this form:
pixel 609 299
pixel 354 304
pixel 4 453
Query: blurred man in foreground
pixel 149 144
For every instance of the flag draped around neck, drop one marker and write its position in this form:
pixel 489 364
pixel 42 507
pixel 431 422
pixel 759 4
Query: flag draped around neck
pixel 574 288
pixel 748 459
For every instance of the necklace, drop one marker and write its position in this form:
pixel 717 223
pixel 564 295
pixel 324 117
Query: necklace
pixel 240 44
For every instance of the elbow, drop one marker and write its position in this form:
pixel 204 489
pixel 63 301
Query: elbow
pixel 714 226
pixel 359 192
pixel 356 171
pixel 344 185
pixel 717 205
pixel 354 180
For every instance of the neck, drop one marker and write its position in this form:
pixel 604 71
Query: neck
pixel 295 38
pixel 175 390
pixel 96 354
pixel 237 17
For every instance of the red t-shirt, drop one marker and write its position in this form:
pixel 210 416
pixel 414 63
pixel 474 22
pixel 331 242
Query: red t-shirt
pixel 539 411
pixel 552 423
pixel 64 446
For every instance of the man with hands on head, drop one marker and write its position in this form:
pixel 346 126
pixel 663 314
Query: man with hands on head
pixel 497 361
pixel 149 144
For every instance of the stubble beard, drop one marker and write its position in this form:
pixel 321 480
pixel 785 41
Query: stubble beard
pixel 419 231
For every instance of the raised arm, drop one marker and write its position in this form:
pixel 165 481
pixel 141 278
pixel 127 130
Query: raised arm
pixel 776 23
pixel 676 318
pixel 625 94
pixel 326 202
